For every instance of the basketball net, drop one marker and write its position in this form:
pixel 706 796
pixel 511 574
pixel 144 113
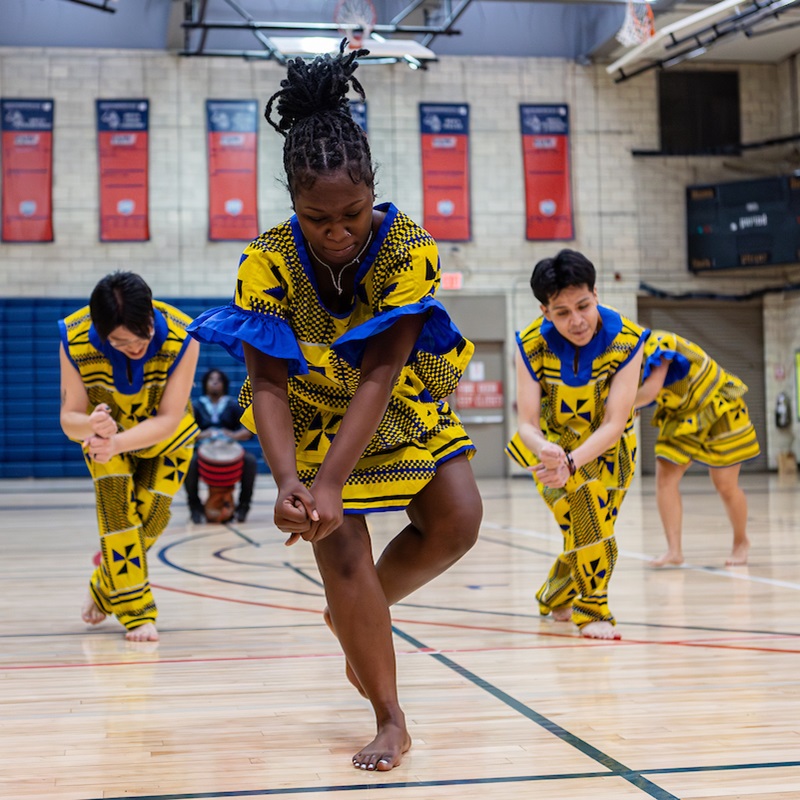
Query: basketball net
pixel 356 19
pixel 638 25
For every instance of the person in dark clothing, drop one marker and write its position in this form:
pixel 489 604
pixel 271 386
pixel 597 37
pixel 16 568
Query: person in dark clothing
pixel 217 414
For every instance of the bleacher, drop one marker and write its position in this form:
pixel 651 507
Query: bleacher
pixel 32 443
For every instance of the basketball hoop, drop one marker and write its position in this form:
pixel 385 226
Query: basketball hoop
pixel 356 19
pixel 638 25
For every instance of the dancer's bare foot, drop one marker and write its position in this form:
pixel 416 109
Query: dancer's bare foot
pixel 562 614
pixel 144 633
pixel 348 670
pixel 738 556
pixel 600 630
pixel 669 559
pixel 90 613
pixel 386 750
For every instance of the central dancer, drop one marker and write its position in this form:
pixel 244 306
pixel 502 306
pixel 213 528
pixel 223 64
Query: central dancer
pixel 350 359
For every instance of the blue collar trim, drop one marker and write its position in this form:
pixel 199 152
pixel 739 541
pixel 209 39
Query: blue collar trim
pixel 120 362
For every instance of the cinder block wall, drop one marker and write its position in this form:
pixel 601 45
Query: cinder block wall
pixel 629 212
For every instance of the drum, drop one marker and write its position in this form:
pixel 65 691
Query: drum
pixel 220 462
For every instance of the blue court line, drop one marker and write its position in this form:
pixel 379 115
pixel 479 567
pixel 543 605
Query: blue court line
pixel 301 572
pixel 163 558
pixel 536 616
pixel 355 787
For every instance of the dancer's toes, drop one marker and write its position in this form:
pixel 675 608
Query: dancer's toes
pixel 385 751
pixel 90 613
pixel 144 633
pixel 600 630
pixel 562 614
pixel 738 556
pixel 667 560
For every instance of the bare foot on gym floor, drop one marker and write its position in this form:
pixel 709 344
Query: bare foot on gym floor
pixel 562 614
pixel 348 671
pixel 144 633
pixel 600 630
pixel 386 750
pixel 90 613
pixel 669 559
pixel 738 556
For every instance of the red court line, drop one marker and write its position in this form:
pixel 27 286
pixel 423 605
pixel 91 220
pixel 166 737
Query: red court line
pixel 578 641
pixel 574 641
pixel 233 599
pixel 748 649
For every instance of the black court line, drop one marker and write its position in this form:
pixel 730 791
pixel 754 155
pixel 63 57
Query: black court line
pixel 355 787
pixel 241 535
pixel 615 767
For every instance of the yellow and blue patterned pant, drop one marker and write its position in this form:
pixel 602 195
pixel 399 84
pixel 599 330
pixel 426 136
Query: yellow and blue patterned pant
pixel 586 511
pixel 134 492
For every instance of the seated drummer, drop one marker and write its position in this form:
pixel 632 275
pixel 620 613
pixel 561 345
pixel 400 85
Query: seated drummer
pixel 217 415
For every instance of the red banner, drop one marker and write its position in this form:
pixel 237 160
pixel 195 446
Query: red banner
pixel 232 170
pixel 122 133
pixel 27 206
pixel 545 151
pixel 479 394
pixel 444 129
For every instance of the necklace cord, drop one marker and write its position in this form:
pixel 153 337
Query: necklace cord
pixel 338 284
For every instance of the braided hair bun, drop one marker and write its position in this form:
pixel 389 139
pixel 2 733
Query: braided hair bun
pixel 314 117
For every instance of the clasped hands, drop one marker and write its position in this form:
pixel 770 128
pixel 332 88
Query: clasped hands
pixel 553 468
pixel 309 514
pixel 101 445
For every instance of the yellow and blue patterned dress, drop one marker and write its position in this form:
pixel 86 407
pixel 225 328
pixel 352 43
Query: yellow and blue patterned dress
pixel 134 490
pixel 700 413
pixel 575 383
pixel 277 309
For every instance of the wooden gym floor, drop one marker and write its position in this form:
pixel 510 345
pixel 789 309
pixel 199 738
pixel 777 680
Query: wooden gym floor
pixel 245 694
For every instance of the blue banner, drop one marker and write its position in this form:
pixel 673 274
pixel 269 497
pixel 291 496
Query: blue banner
pixel 123 115
pixel 27 115
pixel 358 111
pixel 240 116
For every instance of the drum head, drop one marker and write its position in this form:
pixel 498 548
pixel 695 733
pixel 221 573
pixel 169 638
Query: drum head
pixel 220 451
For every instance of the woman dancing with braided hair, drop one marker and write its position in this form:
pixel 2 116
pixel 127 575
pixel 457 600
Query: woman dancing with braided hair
pixel 350 359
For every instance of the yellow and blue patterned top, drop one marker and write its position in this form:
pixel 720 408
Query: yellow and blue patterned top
pixel 575 383
pixel 693 378
pixel 700 411
pixel 131 388
pixel 278 310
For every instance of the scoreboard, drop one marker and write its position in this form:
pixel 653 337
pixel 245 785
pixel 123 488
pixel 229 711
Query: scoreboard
pixel 752 223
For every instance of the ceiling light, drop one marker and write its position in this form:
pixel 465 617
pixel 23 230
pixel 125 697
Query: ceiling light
pixel 407 50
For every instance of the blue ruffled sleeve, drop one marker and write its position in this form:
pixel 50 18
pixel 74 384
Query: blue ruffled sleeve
pixel 229 326
pixel 662 347
pixel 438 336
